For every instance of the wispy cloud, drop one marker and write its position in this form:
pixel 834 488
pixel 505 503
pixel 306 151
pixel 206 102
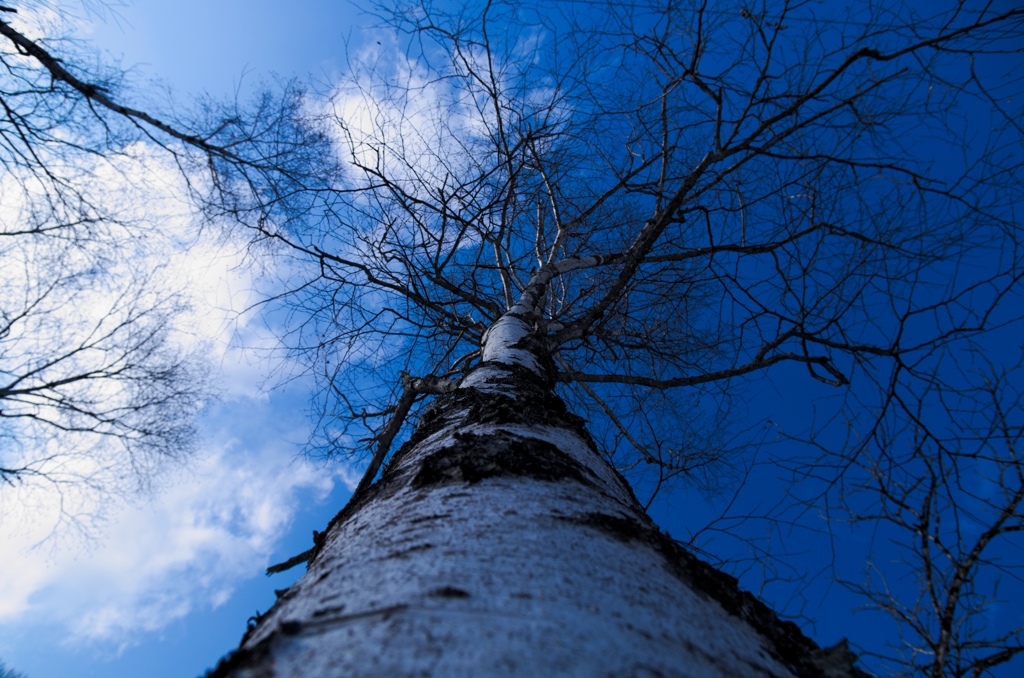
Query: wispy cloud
pixel 210 522
pixel 187 548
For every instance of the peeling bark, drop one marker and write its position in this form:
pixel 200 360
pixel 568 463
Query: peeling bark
pixel 498 542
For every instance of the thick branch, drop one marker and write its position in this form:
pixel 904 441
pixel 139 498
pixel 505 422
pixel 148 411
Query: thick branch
pixel 411 388
pixel 94 93
pixel 757 364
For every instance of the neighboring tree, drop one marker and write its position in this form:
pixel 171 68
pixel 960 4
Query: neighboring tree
pixel 96 392
pixel 637 208
pixel 940 484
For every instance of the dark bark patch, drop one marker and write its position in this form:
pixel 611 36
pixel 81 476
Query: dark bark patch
pixel 536 403
pixel 401 555
pixel 617 527
pixel 286 593
pixel 449 592
pixel 334 609
pixel 257 660
pixel 477 457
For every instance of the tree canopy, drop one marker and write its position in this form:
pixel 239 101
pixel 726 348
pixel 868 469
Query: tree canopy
pixel 679 197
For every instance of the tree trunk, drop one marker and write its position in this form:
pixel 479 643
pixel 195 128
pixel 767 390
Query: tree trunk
pixel 499 542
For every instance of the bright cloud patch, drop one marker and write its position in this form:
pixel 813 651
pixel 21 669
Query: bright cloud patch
pixel 188 548
pixel 212 521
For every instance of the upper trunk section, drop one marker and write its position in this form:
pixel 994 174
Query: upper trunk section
pixel 508 341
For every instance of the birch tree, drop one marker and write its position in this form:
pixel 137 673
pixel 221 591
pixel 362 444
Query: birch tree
pixel 522 215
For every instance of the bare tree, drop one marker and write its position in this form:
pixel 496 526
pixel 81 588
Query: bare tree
pixel 642 206
pixel 939 483
pixel 478 158
pixel 96 392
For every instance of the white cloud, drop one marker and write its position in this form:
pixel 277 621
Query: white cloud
pixel 146 253
pixel 186 549
pixel 392 113
pixel 210 523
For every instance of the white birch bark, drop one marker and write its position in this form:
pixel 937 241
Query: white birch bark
pixel 499 543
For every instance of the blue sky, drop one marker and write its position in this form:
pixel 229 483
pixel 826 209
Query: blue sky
pixel 199 46
pixel 165 587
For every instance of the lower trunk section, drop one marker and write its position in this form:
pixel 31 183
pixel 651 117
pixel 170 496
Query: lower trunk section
pixel 499 543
